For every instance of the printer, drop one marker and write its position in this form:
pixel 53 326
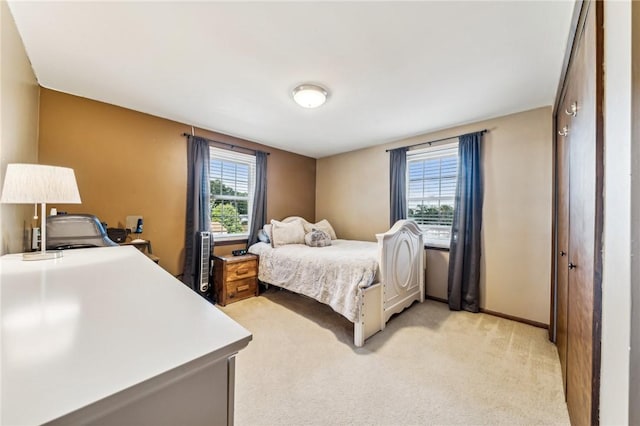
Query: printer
pixel 69 231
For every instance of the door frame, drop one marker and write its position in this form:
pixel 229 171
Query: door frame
pixel 634 359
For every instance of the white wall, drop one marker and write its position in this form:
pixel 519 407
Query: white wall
pixel 19 94
pixel 616 280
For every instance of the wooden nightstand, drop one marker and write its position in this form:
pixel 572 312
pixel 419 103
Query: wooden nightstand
pixel 235 277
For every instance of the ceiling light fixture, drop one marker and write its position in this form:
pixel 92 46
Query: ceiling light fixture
pixel 309 95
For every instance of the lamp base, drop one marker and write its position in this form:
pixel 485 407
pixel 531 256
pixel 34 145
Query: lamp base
pixel 39 255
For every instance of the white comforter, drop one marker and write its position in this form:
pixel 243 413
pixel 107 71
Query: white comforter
pixel 330 275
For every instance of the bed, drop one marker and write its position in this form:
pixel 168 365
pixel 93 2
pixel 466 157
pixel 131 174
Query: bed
pixel 366 282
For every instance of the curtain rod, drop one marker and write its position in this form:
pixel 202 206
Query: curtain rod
pixel 228 144
pixel 483 131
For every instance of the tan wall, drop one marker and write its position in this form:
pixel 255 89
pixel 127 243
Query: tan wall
pixel 19 127
pixel 437 268
pixel 352 192
pixel 129 163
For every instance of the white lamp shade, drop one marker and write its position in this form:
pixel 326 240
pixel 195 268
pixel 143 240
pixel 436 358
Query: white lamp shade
pixel 309 95
pixel 37 183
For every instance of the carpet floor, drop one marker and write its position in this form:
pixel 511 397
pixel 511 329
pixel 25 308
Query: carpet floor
pixel 429 366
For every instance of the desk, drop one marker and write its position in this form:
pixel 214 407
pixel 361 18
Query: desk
pixel 142 246
pixel 84 343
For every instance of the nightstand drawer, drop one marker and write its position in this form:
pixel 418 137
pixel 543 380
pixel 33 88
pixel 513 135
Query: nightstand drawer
pixel 241 270
pixel 241 289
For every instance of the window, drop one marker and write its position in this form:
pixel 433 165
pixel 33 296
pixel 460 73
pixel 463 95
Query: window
pixel 232 181
pixel 431 186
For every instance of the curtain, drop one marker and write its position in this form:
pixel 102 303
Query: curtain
pixel 198 218
pixel 259 210
pixel 464 252
pixel 398 184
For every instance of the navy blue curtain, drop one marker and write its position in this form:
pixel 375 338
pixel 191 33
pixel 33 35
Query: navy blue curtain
pixel 464 252
pixel 259 210
pixel 398 184
pixel 198 216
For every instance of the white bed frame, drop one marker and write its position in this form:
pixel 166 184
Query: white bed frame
pixel 401 260
pixel 400 280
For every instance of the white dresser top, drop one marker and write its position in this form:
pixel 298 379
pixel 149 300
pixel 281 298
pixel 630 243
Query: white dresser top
pixel 93 323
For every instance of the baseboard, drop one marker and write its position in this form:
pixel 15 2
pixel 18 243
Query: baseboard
pixel 500 314
pixel 514 318
pixel 437 299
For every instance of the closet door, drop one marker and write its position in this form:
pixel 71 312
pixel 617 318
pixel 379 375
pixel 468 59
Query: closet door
pixel 562 226
pixel 582 213
pixel 578 217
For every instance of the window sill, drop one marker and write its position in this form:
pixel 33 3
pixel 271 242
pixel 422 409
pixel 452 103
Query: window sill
pixel 229 240
pixel 433 245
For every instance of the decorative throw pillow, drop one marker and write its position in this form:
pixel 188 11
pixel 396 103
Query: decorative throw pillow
pixel 294 218
pixel 317 238
pixel 286 233
pixel 263 237
pixel 323 225
pixel 267 230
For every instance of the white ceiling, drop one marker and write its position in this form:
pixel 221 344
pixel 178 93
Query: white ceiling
pixel 393 69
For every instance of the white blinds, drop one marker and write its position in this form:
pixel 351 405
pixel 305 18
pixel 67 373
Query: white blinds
pixel 232 177
pixel 431 184
pixel 235 171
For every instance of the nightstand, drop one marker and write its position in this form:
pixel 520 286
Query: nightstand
pixel 235 277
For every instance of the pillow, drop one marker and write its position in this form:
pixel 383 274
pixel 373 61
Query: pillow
pixel 293 219
pixel 317 238
pixel 263 237
pixel 286 233
pixel 323 225
pixel 267 230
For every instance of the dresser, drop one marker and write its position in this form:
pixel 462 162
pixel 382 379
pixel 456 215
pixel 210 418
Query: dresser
pixel 85 343
pixel 235 277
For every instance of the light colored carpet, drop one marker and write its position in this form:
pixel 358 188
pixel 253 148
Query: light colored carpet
pixel 429 366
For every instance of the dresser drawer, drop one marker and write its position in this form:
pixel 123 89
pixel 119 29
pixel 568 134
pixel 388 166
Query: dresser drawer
pixel 241 289
pixel 241 270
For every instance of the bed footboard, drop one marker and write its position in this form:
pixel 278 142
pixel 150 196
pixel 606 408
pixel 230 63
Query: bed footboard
pixel 401 266
pixel 401 256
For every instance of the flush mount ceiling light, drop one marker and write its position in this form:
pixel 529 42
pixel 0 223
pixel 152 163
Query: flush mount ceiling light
pixel 309 95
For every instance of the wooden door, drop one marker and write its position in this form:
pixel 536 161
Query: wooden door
pixel 582 228
pixel 562 226
pixel 578 217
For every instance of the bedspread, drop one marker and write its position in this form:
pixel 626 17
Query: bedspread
pixel 330 275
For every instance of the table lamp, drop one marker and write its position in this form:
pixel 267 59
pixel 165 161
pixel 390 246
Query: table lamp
pixel 40 184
